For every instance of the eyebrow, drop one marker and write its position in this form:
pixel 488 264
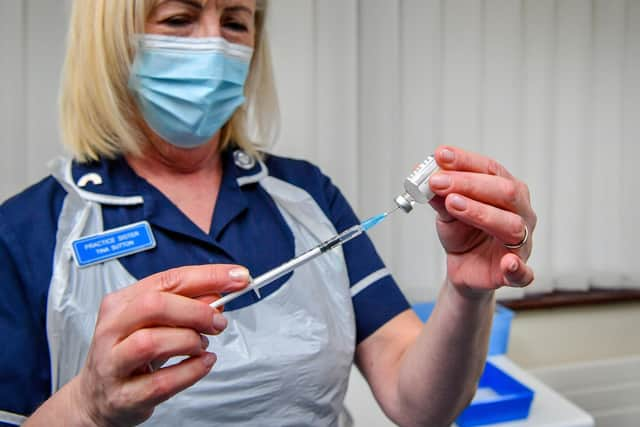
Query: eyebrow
pixel 239 9
pixel 231 7
pixel 193 3
pixel 199 4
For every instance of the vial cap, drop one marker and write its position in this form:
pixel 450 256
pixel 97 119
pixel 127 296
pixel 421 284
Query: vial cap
pixel 405 202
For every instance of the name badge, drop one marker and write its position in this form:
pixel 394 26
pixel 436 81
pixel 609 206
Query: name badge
pixel 112 244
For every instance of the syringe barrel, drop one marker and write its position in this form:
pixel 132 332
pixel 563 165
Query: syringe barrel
pixel 288 266
pixel 340 239
pixel 271 275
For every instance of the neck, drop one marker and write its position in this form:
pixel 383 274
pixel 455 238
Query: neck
pixel 163 158
pixel 190 178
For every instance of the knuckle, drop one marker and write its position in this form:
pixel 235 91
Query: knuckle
pixel 104 370
pixel 108 304
pixel 494 168
pixel 170 279
pixel 160 386
pixel 104 324
pixel 215 276
pixel 511 192
pixel 477 214
pixel 144 343
pixel 464 185
pixel 114 402
pixel 151 302
pixel 111 404
pixel 525 190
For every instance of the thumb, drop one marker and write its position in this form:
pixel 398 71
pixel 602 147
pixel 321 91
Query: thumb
pixel 197 280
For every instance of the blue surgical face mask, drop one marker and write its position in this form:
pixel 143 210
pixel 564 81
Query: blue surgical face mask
pixel 187 88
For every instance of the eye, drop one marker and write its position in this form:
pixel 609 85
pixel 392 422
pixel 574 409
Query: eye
pixel 236 26
pixel 177 21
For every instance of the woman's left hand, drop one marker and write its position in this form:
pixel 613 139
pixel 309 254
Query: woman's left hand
pixel 481 207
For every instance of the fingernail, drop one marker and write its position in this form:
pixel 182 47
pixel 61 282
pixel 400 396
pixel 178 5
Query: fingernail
pixel 440 181
pixel 458 202
pixel 219 322
pixel 239 274
pixel 447 156
pixel 209 359
pixel 205 342
pixel 513 267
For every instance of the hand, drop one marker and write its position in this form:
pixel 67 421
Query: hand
pixel 142 326
pixel 481 207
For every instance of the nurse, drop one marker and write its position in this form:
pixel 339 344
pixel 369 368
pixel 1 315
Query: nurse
pixel 109 263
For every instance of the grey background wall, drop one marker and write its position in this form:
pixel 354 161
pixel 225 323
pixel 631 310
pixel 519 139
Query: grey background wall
pixel 32 35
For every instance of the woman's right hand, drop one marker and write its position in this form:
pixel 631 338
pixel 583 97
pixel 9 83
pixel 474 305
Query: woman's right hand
pixel 141 326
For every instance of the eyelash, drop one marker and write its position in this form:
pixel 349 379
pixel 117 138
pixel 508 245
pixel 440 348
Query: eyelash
pixel 183 21
pixel 236 26
pixel 177 21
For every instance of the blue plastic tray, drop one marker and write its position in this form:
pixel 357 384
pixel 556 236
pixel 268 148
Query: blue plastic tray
pixel 499 398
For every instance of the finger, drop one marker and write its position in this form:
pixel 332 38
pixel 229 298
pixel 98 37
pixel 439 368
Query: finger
pixel 154 388
pixel 191 281
pixel 516 272
pixel 437 203
pixel 208 299
pixel 195 281
pixel 452 158
pixel 505 226
pixel 164 309
pixel 144 346
pixel 505 193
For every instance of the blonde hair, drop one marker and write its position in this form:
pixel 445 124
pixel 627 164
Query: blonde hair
pixel 97 110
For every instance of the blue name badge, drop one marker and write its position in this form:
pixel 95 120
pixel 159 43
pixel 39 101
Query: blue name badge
pixel 112 244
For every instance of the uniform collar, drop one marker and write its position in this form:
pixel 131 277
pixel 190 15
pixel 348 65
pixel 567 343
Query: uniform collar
pixel 105 179
pixel 110 180
pixel 240 173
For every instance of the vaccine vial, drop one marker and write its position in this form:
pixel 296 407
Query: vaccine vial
pixel 416 185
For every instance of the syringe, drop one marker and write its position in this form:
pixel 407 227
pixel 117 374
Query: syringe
pixel 286 267
pixel 416 188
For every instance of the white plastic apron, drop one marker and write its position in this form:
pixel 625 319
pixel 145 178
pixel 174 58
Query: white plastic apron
pixel 283 361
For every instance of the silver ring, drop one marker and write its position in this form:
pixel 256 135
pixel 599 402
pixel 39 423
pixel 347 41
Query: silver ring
pixel 522 242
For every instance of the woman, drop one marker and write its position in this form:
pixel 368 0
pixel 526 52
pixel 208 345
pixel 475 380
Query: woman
pixel 168 205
